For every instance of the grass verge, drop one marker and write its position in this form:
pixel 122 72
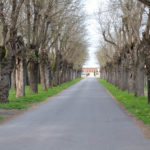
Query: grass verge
pixel 137 106
pixel 24 102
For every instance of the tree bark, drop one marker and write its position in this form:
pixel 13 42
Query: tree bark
pixel 148 83
pixel 42 76
pixel 60 76
pixel 13 79
pixel 123 75
pixel 6 67
pixel 139 82
pixel 33 76
pixel 64 73
pixel 125 79
pixel 70 74
pixel 148 78
pixel 20 77
pixel 120 77
pixel 116 76
pixel 131 75
pixel 74 74
pixel 4 88
pixel 48 76
pixel 56 70
pixel 56 78
pixel 131 81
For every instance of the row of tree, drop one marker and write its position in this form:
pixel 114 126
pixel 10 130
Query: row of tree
pixel 124 56
pixel 41 41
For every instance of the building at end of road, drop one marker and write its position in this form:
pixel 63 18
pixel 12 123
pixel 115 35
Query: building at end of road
pixel 90 72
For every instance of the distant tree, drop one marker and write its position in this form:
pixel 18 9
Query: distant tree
pixel 124 56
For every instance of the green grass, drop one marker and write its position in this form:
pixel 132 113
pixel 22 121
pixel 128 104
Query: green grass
pixel 24 102
pixel 137 106
pixel 1 118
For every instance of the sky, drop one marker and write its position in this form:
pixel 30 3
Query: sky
pixel 91 7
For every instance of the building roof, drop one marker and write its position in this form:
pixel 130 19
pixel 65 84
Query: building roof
pixel 90 69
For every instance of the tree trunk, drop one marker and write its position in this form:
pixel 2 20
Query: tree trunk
pixel 33 76
pixel 131 81
pixel 13 79
pixel 20 77
pixel 147 62
pixel 105 74
pixel 69 74
pixel 113 75
pixel 148 83
pixel 26 75
pixel 60 76
pixel 15 45
pixel 125 79
pixel 109 76
pixel 42 76
pixel 64 73
pixel 48 76
pixel 74 74
pixel 56 78
pixel 4 88
pixel 139 82
pixel 79 74
pixel 56 74
pixel 131 75
pixel 6 67
pixel 116 76
pixel 120 78
pixel 148 79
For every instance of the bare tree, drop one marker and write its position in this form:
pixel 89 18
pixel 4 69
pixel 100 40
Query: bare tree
pixel 41 39
pixel 11 47
pixel 125 36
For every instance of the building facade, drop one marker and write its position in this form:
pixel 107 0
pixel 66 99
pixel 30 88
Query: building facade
pixel 90 72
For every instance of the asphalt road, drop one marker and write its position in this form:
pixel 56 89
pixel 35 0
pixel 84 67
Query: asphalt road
pixel 83 117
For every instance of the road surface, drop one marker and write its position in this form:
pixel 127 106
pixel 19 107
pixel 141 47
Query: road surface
pixel 83 117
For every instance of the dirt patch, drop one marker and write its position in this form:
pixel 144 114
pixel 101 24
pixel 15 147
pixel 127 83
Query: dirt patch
pixel 144 128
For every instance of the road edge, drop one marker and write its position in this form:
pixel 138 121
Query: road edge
pixel 20 112
pixel 143 127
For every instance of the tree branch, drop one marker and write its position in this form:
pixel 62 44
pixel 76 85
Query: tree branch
pixel 146 2
pixel 111 42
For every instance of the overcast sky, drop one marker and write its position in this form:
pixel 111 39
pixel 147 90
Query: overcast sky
pixel 91 7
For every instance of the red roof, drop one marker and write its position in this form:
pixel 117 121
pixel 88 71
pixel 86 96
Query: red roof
pixel 89 69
